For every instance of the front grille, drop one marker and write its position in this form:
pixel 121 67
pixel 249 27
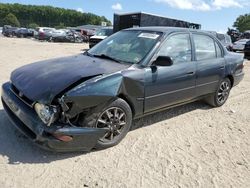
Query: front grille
pixel 21 96
pixel 95 41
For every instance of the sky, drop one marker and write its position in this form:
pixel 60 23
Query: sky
pixel 214 15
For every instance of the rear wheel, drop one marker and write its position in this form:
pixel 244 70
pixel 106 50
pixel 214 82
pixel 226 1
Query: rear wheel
pixel 116 117
pixel 221 95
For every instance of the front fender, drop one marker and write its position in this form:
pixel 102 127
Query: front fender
pixel 93 92
pixel 128 84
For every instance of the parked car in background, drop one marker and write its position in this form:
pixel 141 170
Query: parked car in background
pixel 67 36
pixel 100 35
pixel 86 34
pixel 246 34
pixel 239 45
pixel 1 30
pixel 247 50
pixel 57 34
pixel 5 27
pixel 24 32
pixel 89 101
pixel 224 39
pixel 44 33
pixel 9 31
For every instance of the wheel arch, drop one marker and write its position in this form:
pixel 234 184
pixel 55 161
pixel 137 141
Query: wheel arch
pixel 122 96
pixel 231 78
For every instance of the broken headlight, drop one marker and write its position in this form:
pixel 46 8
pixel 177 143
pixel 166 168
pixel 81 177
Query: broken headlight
pixel 46 113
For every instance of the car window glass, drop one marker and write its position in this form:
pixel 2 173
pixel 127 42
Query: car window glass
pixel 127 46
pixel 221 37
pixel 218 50
pixel 204 47
pixel 178 47
pixel 228 39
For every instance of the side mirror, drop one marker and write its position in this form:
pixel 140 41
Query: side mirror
pixel 163 61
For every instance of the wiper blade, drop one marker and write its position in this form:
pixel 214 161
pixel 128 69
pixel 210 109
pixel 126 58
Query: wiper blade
pixel 88 54
pixel 107 57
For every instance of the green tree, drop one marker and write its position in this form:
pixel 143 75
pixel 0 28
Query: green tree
pixel 12 20
pixel 33 25
pixel 48 15
pixel 60 26
pixel 242 23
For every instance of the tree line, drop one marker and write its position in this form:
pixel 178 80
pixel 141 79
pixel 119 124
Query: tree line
pixel 33 15
pixel 242 23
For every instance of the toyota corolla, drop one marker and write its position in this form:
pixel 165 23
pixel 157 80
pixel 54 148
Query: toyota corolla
pixel 89 100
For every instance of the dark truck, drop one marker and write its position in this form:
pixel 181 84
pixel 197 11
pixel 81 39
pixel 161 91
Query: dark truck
pixel 142 19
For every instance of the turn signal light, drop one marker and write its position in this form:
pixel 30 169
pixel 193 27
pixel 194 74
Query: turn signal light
pixel 63 138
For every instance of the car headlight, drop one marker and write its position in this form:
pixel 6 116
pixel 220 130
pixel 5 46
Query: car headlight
pixel 46 113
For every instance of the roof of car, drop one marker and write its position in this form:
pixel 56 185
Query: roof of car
pixel 108 27
pixel 166 29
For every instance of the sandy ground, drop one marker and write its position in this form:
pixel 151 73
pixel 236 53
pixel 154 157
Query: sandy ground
pixel 188 146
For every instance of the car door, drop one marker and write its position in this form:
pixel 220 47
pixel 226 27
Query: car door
pixel 168 85
pixel 210 63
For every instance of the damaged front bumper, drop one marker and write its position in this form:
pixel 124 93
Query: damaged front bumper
pixel 27 121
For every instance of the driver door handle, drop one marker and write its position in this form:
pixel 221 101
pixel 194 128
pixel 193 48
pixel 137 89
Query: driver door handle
pixel 190 73
pixel 222 67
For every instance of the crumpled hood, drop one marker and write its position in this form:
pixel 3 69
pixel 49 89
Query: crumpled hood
pixel 42 81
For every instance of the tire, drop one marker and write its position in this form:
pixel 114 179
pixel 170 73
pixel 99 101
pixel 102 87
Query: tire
pixel 95 119
pixel 50 39
pixel 221 95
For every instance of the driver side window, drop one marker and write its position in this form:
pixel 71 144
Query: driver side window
pixel 178 47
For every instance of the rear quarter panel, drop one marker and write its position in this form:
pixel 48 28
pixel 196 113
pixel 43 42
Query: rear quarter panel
pixel 234 64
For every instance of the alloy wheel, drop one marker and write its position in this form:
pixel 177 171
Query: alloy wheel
pixel 223 92
pixel 114 119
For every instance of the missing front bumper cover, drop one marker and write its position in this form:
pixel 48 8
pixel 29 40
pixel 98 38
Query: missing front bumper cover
pixel 27 121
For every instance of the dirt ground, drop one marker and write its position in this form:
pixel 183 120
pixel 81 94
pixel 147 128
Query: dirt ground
pixel 188 146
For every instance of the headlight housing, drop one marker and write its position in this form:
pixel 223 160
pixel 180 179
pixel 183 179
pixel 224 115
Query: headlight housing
pixel 46 113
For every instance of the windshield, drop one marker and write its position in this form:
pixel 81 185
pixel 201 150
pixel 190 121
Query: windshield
pixel 228 39
pixel 127 46
pixel 104 32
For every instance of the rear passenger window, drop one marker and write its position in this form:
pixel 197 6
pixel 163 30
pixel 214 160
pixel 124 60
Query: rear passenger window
pixel 204 47
pixel 218 50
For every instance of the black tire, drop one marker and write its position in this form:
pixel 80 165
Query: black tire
pixel 93 117
pixel 215 99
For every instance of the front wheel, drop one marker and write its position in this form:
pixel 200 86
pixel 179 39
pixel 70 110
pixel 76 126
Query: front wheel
pixel 221 95
pixel 116 117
